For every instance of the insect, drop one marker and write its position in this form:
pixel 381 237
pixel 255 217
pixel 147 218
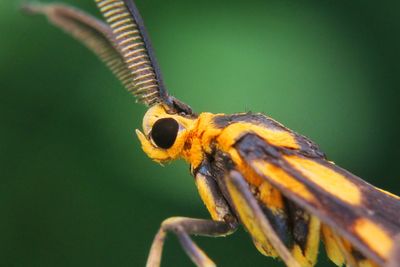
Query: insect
pixel 249 169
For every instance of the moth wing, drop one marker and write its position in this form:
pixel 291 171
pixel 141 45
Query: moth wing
pixel 362 214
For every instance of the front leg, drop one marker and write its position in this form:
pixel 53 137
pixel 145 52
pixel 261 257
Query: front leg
pixel 222 223
pixel 183 227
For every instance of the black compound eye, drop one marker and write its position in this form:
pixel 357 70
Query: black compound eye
pixel 164 132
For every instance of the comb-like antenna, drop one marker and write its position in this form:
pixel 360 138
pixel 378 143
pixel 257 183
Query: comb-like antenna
pixel 134 45
pixel 92 32
pixel 123 45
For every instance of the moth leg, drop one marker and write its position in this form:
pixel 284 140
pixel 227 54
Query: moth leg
pixel 222 223
pixel 251 215
pixel 394 260
pixel 182 227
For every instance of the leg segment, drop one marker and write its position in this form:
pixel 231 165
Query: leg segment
pixel 252 217
pixel 183 227
pixel 222 223
pixel 394 260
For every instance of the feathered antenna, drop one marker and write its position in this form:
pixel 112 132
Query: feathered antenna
pixel 132 41
pixel 122 43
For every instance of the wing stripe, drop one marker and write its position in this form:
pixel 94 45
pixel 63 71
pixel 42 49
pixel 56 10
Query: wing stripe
pixel 326 178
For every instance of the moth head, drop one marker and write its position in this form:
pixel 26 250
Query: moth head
pixel 164 134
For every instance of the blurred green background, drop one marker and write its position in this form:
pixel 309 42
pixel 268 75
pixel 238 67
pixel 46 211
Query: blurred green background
pixel 75 187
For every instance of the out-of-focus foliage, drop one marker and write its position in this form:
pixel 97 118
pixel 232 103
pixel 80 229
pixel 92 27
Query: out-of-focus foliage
pixel 75 187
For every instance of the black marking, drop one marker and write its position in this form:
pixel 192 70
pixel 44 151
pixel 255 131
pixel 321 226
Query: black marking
pixel 182 108
pixel 280 224
pixel 357 255
pixel 308 147
pixel 249 144
pixel 164 132
pixel 300 222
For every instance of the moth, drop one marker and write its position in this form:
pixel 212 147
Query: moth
pixel 249 169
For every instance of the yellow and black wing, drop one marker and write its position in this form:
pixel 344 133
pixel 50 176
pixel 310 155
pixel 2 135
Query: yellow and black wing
pixel 363 215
